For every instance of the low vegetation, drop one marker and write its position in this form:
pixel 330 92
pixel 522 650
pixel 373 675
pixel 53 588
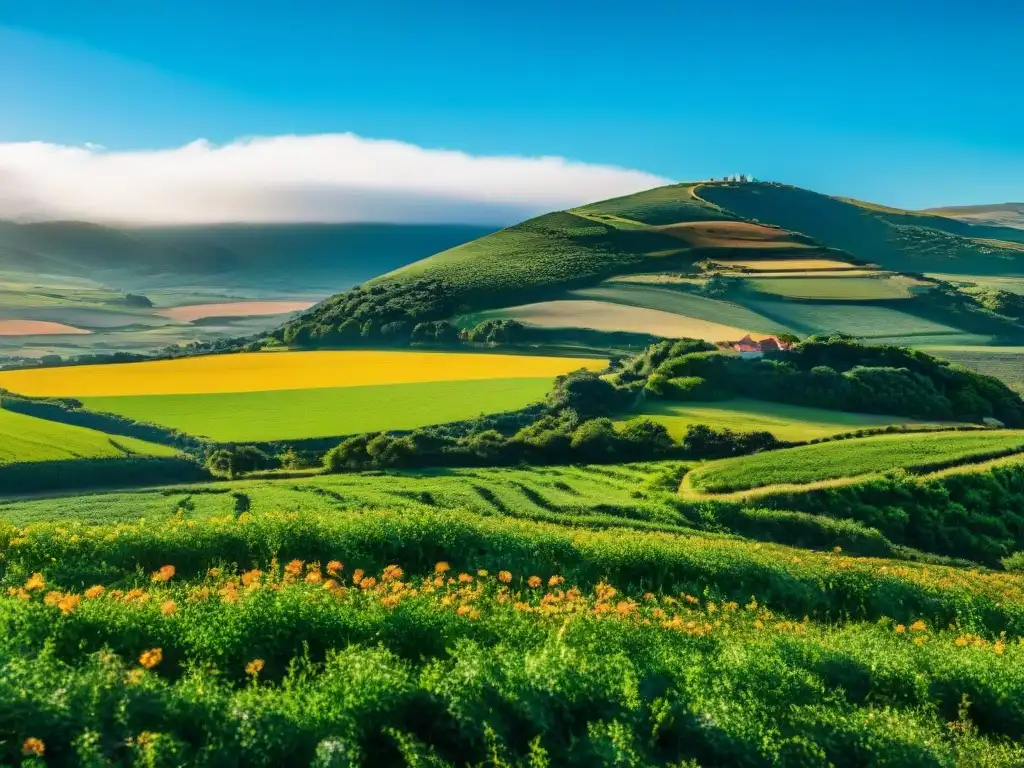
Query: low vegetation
pixel 850 458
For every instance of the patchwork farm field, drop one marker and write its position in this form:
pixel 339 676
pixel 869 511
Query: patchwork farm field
pixel 606 316
pixel 28 439
pixel 786 422
pixel 852 458
pixel 294 414
pixel 295 395
pixel 272 371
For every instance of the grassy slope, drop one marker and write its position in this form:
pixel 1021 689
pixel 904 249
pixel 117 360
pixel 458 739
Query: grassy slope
pixel 305 413
pixel 546 253
pixel 28 439
pixel 1005 363
pixel 850 458
pixel 786 422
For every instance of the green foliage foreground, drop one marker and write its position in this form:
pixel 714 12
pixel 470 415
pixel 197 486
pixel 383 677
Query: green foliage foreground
pixel 429 638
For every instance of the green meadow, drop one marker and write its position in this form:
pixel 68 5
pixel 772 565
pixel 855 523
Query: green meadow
pixel 786 422
pixel 309 413
pixel 854 457
pixel 28 439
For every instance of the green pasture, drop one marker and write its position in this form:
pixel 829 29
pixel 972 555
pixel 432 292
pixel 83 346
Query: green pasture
pixel 862 320
pixel 28 439
pixel 787 422
pixel 1010 283
pixel 308 413
pixel 837 288
pixel 852 458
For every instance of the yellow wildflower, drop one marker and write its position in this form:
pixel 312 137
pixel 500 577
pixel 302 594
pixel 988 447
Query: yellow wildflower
pixel 33 747
pixel 93 592
pixel 213 573
pixel 505 577
pixel 918 626
pixel 392 573
pixel 357 576
pixel 151 658
pixel 556 581
pixel 900 629
pixel 534 581
pixel 168 608
pixel 334 567
pixel 251 577
pixel 442 567
pixel 482 573
pixel 53 597
pixel 254 667
pixel 465 578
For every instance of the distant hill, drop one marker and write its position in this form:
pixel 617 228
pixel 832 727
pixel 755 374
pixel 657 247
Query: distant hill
pixel 1000 214
pixel 293 256
pixel 729 256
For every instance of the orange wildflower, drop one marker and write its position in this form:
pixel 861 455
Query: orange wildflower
pixel 213 573
pixel 465 578
pixel 165 574
pixel 53 597
pixel 534 581
pixel 252 577
pixel 556 581
pixel 918 626
pixel 335 567
pixel 33 747
pixel 900 629
pixel 482 573
pixel 151 658
pixel 505 577
pixel 93 592
pixel 69 603
pixel 35 581
pixel 168 608
pixel 442 567
pixel 392 573
pixel 357 576
pixel 254 667
pixel 368 583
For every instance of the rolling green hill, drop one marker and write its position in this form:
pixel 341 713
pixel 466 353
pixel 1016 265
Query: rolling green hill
pixel 784 258
pixel 278 256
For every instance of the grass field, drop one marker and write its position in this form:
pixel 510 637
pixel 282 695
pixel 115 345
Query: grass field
pixel 787 265
pixel 1005 363
pixel 294 414
pixel 28 439
pixel 426 633
pixel 850 458
pixel 838 288
pixel 786 422
pixel 667 299
pixel 856 319
pixel 258 372
pixel 606 316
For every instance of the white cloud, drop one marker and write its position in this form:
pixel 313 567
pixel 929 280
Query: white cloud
pixel 322 178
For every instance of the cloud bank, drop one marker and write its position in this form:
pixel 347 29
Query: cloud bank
pixel 322 178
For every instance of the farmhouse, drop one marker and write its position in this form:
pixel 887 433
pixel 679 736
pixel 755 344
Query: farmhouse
pixel 756 344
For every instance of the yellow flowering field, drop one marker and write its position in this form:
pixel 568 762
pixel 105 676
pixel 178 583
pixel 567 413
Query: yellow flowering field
pixel 270 371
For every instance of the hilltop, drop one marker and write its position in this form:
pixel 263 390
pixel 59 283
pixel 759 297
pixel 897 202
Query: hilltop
pixel 714 260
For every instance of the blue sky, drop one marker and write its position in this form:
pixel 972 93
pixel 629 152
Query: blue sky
pixel 888 101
